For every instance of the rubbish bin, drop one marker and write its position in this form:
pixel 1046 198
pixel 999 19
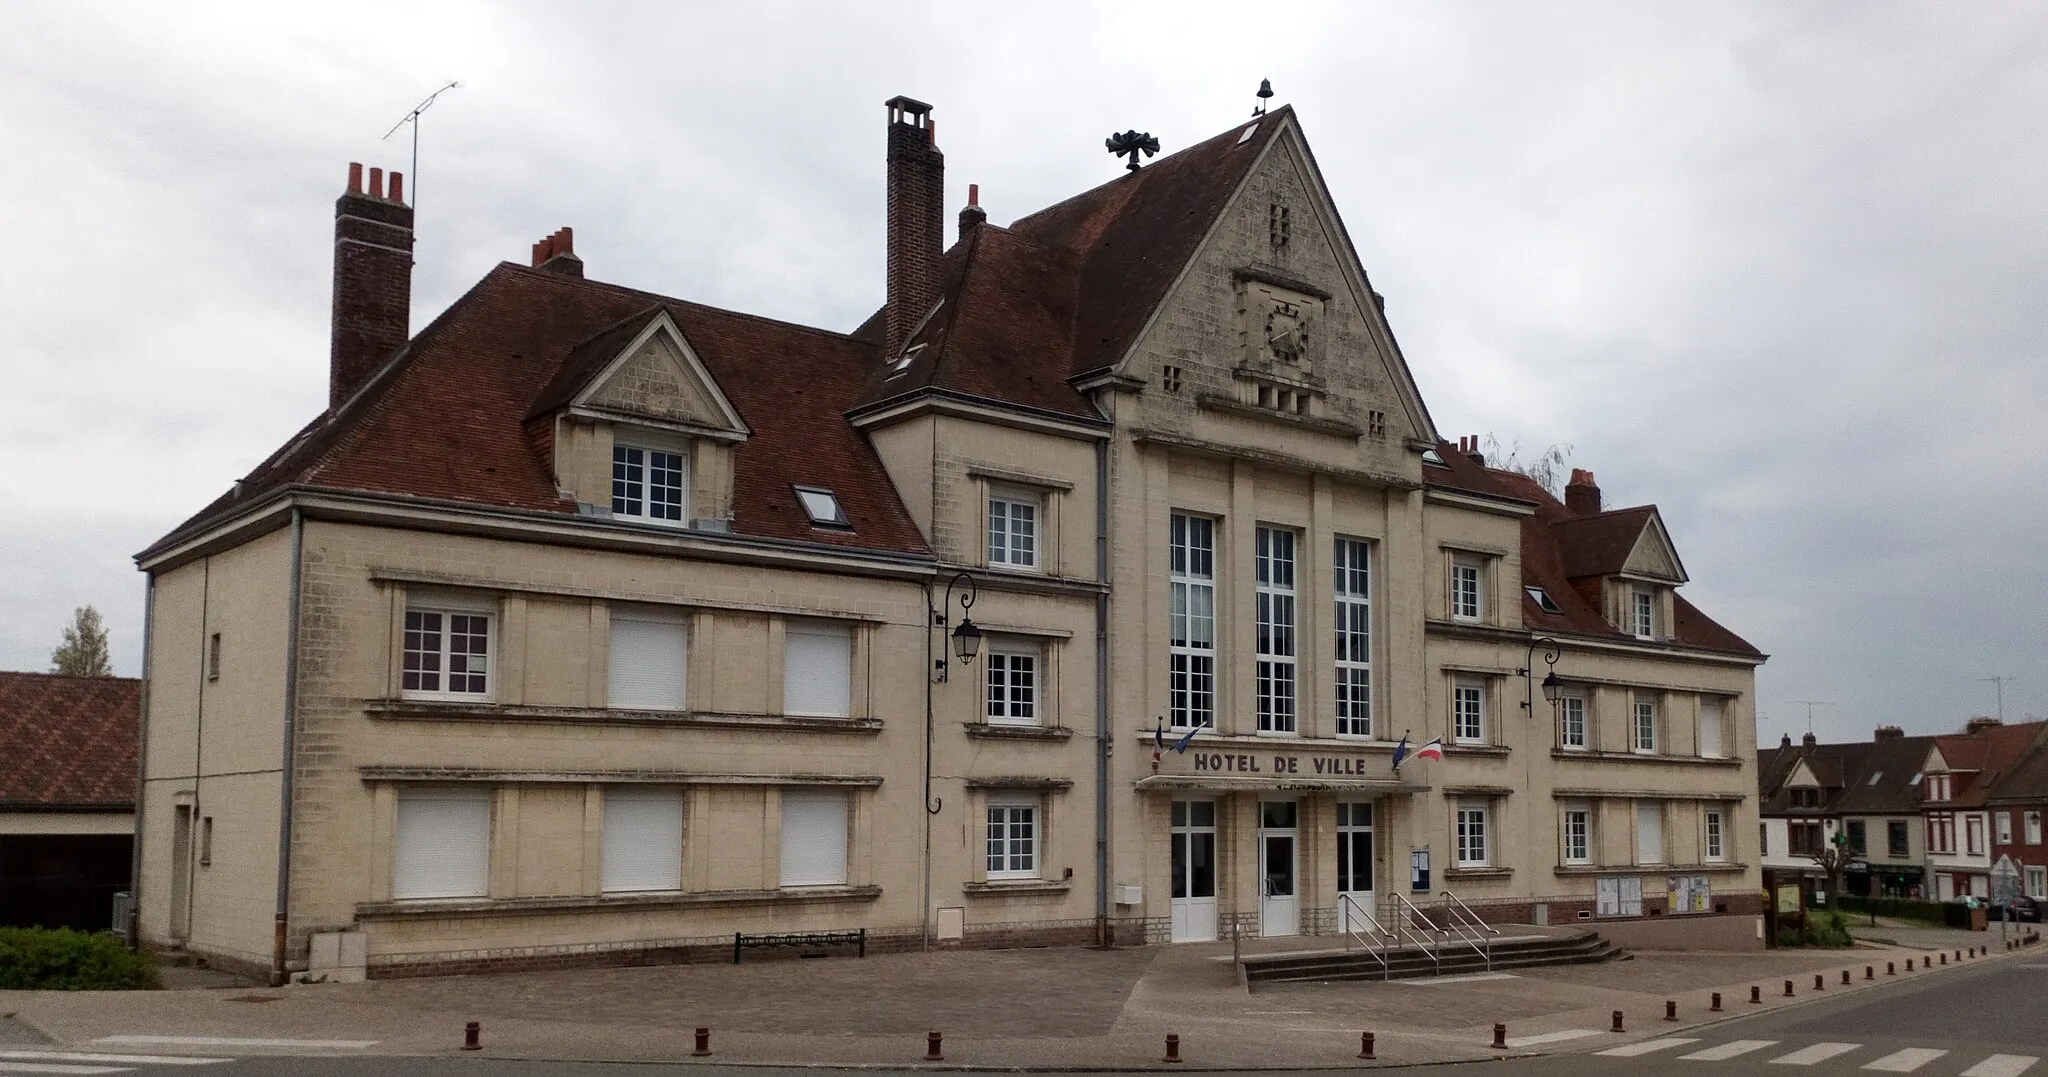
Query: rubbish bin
pixel 1979 918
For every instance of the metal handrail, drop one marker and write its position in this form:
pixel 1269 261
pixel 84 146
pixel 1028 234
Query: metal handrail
pixel 1382 955
pixel 1435 954
pixel 1471 929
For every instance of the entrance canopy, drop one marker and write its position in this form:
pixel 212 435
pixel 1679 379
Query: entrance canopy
pixel 1234 783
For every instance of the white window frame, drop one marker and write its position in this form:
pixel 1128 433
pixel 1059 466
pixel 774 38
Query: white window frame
pixel 836 630
pixel 623 687
pixel 1468 587
pixel 1014 676
pixel 1191 615
pixel 1468 710
pixel 639 505
pixel 1973 834
pixel 626 867
pixel 1473 834
pixel 1004 815
pixel 2033 827
pixel 1713 716
pixel 417 613
pixel 1016 529
pixel 476 850
pixel 1643 719
pixel 2037 882
pixel 1653 829
pixel 1572 725
pixel 1643 612
pixel 1276 691
pixel 1714 839
pixel 1352 559
pixel 2001 825
pixel 1577 831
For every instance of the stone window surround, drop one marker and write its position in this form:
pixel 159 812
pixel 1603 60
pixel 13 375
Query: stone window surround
pixel 1008 484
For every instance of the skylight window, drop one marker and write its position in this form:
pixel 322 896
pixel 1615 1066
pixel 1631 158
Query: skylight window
pixel 1248 133
pixel 822 506
pixel 1431 456
pixel 1874 776
pixel 1542 598
pixel 908 357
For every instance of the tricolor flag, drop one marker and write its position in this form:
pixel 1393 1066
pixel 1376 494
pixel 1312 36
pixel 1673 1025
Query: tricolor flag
pixel 1158 741
pixel 1400 752
pixel 1433 750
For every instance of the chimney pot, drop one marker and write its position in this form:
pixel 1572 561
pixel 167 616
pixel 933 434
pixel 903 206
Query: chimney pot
pixel 398 186
pixel 1809 740
pixel 972 215
pixel 355 177
pixel 376 183
pixel 1889 732
pixel 1786 741
pixel 1582 494
pixel 372 299
pixel 556 253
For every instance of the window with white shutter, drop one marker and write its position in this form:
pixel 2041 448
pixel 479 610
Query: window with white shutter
pixel 443 846
pixel 643 840
pixel 650 654
pixel 813 837
pixel 1710 728
pixel 1649 832
pixel 817 669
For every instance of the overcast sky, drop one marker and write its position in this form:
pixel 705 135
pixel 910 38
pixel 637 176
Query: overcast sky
pixel 1780 268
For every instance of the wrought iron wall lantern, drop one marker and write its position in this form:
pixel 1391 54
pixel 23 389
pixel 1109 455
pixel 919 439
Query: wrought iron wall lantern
pixel 965 637
pixel 1552 687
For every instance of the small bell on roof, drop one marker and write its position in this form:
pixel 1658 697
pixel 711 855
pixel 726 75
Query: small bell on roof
pixel 1265 94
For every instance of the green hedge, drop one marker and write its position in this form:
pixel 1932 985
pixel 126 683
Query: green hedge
pixel 41 959
pixel 1939 912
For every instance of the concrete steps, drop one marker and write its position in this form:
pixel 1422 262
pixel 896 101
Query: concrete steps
pixel 1453 958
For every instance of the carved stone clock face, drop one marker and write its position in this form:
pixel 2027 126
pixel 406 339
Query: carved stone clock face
pixel 1287 331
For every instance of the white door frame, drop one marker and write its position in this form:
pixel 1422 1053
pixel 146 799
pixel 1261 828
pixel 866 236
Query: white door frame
pixel 1193 917
pixel 1347 826
pixel 1280 914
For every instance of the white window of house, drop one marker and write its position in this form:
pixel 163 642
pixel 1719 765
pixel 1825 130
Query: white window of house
pixel 1710 728
pixel 443 845
pixel 447 652
pixel 2033 821
pixel 1473 848
pixel 1578 834
pixel 817 669
pixel 2002 821
pixel 650 484
pixel 1649 832
pixel 1643 606
pixel 1012 529
pixel 2037 882
pixel 648 660
pixel 1274 599
pixel 1468 711
pixel 1013 837
pixel 1353 562
pixel 1645 725
pixel 643 840
pixel 1193 629
pixel 1973 827
pixel 1466 603
pixel 1571 730
pixel 1716 841
pixel 813 837
pixel 1013 685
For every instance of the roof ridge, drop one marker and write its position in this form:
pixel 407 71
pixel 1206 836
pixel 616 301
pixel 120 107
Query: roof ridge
pixel 1284 110
pixel 669 300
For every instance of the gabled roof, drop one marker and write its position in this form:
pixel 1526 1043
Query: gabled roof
pixel 1986 756
pixel 1548 539
pixel 1884 785
pixel 1835 767
pixel 68 743
pixel 446 420
pixel 1600 545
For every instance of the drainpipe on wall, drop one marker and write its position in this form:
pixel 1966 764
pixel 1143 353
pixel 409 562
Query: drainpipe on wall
pixel 1103 935
pixel 924 915
pixel 134 924
pixel 291 706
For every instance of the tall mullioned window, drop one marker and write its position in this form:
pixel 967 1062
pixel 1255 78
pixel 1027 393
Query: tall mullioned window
pixel 1465 591
pixel 1353 568
pixel 1571 731
pixel 1274 578
pixel 1192 657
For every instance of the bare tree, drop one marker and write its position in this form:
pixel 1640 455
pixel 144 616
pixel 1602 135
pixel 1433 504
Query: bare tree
pixel 1548 467
pixel 1833 859
pixel 84 650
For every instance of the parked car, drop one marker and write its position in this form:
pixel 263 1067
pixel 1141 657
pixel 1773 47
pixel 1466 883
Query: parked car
pixel 2024 910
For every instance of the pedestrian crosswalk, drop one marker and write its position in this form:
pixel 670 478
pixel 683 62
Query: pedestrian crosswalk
pixel 1875 1059
pixel 88 1063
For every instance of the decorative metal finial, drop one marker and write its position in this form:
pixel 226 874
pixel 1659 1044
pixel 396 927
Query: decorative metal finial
pixel 1132 143
pixel 1265 93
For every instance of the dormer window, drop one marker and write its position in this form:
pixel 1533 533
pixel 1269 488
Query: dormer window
pixel 650 484
pixel 822 506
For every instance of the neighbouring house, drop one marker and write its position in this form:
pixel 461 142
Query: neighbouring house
pixel 1797 790
pixel 1092 590
pixel 2016 800
pixel 1957 777
pixel 1879 811
pixel 67 797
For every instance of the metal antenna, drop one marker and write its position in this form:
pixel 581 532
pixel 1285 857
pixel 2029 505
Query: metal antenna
pixel 413 118
pixel 1810 704
pixel 1999 683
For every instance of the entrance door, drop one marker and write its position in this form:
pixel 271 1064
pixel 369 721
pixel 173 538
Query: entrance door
pixel 1354 866
pixel 181 871
pixel 1279 904
pixel 1194 870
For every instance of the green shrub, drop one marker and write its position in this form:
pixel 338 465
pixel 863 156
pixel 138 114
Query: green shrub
pixel 1833 932
pixel 40 959
pixel 1903 908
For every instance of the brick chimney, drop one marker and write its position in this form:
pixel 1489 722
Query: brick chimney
pixel 1809 740
pixel 557 253
pixel 917 219
pixel 1981 723
pixel 1889 732
pixel 972 215
pixel 372 280
pixel 1581 494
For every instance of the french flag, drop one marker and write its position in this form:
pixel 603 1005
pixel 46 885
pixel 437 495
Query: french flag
pixel 1433 750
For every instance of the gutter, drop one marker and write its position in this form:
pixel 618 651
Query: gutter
pixel 1103 742
pixel 291 707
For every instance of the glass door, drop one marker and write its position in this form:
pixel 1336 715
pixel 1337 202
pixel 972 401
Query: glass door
pixel 1279 904
pixel 1354 866
pixel 1194 870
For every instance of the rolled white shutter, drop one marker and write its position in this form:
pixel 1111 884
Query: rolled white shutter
pixel 1649 832
pixel 444 845
pixel 813 838
pixel 643 840
pixel 1710 730
pixel 649 656
pixel 818 670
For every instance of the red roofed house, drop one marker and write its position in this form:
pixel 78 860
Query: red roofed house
pixel 67 797
pixel 589 624
pixel 1960 773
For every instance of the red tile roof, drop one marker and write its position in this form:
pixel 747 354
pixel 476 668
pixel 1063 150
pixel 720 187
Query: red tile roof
pixel 1990 753
pixel 68 743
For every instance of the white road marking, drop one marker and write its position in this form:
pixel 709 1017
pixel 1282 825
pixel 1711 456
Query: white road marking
pixel 2002 1066
pixel 129 1060
pixel 54 1067
pixel 1819 1052
pixel 1631 1050
pixel 1553 1037
pixel 1729 1050
pixel 1468 978
pixel 227 1041
pixel 1906 1061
